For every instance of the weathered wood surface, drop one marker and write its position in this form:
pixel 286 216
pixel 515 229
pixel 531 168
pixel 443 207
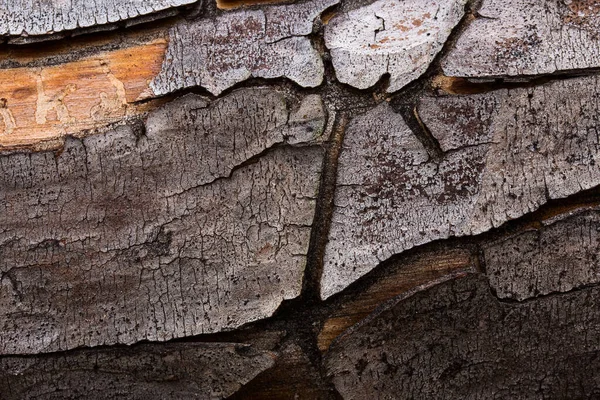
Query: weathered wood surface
pixel 457 341
pixel 217 53
pixel 199 224
pixel 43 17
pixel 524 37
pixel 399 38
pixel 149 371
pixel 40 105
pixel 403 276
pixel 45 97
pixel 559 256
pixel 506 153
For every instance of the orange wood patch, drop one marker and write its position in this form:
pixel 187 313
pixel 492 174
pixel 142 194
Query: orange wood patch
pixel 406 276
pixel 46 103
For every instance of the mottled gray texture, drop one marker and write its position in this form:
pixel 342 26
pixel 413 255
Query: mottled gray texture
pixel 528 37
pixel 200 224
pixel 457 341
pixel 145 372
pixel 508 152
pixel 390 36
pixel 217 53
pixel 42 17
pixel 559 256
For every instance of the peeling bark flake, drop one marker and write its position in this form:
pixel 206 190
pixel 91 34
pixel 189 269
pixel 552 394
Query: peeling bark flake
pixel 43 17
pixel 267 43
pixel 390 36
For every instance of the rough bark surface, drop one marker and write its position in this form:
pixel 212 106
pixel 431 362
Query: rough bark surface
pixel 266 43
pixel 524 37
pixel 457 340
pixel 299 199
pixel 126 237
pixel 399 38
pixel 43 17
pixel 559 256
pixel 170 371
pixel 504 154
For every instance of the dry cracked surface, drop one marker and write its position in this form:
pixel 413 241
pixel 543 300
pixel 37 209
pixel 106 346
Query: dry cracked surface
pixel 132 236
pixel 503 155
pixel 299 199
pixel 174 371
pixel 268 43
pixel 30 18
pixel 399 38
pixel 523 37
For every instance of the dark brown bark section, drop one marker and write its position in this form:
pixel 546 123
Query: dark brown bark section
pixel 558 256
pixel 457 340
pixel 150 371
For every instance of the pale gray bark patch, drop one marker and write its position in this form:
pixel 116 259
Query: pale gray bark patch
pixel 217 53
pixel 559 256
pixel 150 371
pixel 457 341
pixel 200 225
pixel 42 17
pixel 525 37
pixel 507 153
pixel 390 36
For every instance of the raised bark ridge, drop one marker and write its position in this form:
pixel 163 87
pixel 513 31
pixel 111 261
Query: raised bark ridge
pixel 129 236
pixel 43 17
pixel 521 37
pixel 266 43
pixel 392 195
pixel 390 36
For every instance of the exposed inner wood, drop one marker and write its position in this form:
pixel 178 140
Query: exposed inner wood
pixel 406 276
pixel 40 104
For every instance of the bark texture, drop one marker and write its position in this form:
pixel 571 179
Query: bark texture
pixel 522 37
pixel 173 371
pixel 299 199
pixel 501 155
pixel 559 256
pixel 218 53
pixel 43 17
pixel 390 37
pixel 457 340
pixel 133 236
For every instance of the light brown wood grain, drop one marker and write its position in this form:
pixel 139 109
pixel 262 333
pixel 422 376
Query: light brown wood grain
pixel 405 276
pixel 39 104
